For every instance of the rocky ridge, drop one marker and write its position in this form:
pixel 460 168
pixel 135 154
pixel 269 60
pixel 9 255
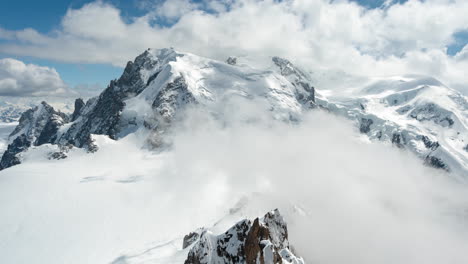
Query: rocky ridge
pixel 153 88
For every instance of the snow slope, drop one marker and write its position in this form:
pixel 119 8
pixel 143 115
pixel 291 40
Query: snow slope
pixel 412 112
pixel 157 87
pixel 180 139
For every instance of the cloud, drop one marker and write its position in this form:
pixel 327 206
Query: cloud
pixel 20 79
pixel 345 201
pixel 399 38
pixel 363 203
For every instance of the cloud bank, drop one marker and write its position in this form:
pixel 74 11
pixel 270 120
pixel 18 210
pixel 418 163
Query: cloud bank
pixel 396 39
pixel 346 201
pixel 20 79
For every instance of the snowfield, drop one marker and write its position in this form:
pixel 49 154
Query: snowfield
pixel 182 144
pixel 123 204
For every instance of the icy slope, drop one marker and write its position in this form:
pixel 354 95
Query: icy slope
pixel 412 112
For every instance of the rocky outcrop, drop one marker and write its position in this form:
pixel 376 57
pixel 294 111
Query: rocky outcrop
pixel 79 104
pixel 436 162
pixel 429 144
pixel 305 93
pixel 37 126
pixel 263 241
pixel 190 239
pixel 231 61
pixel 103 116
pixel 10 156
pixel 172 97
pixel 162 83
pixel 365 124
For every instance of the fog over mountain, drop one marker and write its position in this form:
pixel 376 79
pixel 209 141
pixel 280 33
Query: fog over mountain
pixel 238 131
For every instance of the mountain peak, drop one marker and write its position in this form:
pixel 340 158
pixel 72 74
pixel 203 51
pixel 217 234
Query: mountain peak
pixel 161 83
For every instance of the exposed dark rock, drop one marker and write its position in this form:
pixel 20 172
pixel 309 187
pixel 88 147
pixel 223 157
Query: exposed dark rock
pixel 398 140
pixel 91 145
pixel 307 95
pixel 430 144
pixel 49 133
pixel 432 112
pixel 79 104
pixel 231 61
pixel 365 125
pixel 379 135
pixel 10 156
pixel 152 78
pixel 172 97
pixel 104 114
pixel 190 239
pixel 436 163
pixel 261 241
pixel 61 154
pixel 37 126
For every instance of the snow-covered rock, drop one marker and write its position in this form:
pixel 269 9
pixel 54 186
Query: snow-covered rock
pixel 37 126
pixel 263 241
pixel 411 112
pixel 159 84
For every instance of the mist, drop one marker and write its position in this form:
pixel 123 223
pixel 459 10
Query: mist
pixel 345 199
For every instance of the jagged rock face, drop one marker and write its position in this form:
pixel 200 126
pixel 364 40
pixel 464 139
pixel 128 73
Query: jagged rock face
pixel 429 144
pixel 305 93
pixel 103 115
pixel 263 241
pixel 79 104
pixel 40 124
pixel 172 97
pixel 10 156
pixel 158 85
pixel 190 239
pixel 36 126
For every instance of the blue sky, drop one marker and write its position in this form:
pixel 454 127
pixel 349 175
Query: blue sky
pixel 45 17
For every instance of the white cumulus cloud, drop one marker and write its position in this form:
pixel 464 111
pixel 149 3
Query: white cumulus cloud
pixel 407 38
pixel 20 79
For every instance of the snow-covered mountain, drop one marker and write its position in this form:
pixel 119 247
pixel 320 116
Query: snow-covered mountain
pixel 11 108
pixel 153 90
pixel 412 112
pixel 129 172
pixel 10 112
